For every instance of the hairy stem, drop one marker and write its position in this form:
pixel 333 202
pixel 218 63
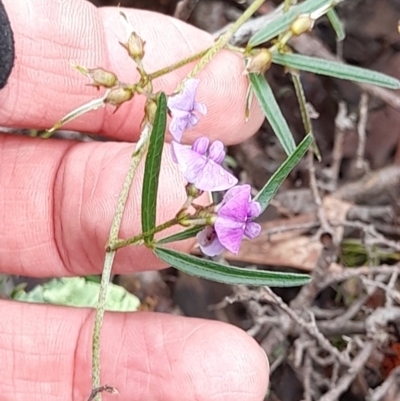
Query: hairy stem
pixel 109 259
pixel 173 67
pixel 138 238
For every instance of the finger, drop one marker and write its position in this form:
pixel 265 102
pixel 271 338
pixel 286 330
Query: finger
pixel 43 87
pixel 146 356
pixel 58 200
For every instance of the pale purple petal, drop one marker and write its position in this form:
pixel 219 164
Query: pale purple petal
pixel 252 230
pixel 178 125
pixel 254 209
pixel 217 152
pixel 236 207
pixel 214 177
pixel 185 99
pixel 190 162
pixel 233 192
pixel 209 243
pixel 234 217
pixel 230 233
pixel 200 107
pixel 192 121
pixel 204 173
pixel 200 145
pixel 181 106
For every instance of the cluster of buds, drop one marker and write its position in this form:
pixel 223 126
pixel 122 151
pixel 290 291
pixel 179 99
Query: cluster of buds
pixel 117 93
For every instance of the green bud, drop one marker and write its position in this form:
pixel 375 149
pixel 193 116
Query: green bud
pixel 259 62
pixel 118 95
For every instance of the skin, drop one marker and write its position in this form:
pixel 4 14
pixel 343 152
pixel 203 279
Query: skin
pixel 57 201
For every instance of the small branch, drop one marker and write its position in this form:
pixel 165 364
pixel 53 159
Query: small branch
pixel 344 382
pixel 310 327
pixel 307 378
pixel 342 122
pixel 325 226
pixel 361 130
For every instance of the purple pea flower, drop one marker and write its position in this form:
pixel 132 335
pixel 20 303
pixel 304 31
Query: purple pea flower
pixel 201 164
pixel 182 106
pixel 233 222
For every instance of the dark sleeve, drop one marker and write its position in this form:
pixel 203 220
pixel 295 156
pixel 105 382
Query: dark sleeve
pixel 6 47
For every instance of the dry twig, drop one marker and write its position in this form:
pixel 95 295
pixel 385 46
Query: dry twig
pixel 344 382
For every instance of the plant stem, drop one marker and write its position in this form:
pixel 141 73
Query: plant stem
pixel 136 239
pixel 109 258
pixel 177 65
pixel 98 321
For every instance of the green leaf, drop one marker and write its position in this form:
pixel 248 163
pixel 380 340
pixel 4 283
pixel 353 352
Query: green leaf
pixel 282 23
pixel 78 292
pixel 152 168
pixel 336 69
pixel 336 24
pixel 301 97
pixel 269 190
pixel 228 274
pixel 272 111
pixel 189 233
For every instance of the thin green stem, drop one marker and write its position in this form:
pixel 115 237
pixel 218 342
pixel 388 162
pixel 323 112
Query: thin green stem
pixel 177 65
pixel 136 157
pixel 138 238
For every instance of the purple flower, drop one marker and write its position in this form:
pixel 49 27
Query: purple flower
pixel 233 222
pixel 182 106
pixel 201 164
pixel 208 241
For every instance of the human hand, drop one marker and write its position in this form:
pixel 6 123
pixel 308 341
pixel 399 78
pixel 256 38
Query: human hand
pixel 58 200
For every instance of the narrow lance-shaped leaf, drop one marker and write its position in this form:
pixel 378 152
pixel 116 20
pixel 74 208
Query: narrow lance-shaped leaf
pixel 272 112
pixel 269 190
pixel 228 274
pixel 282 23
pixel 189 233
pixel 305 116
pixel 336 69
pixel 152 168
pixel 336 24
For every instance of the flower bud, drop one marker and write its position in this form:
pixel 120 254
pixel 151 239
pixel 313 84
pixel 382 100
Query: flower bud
pixel 259 62
pixel 118 95
pixel 135 46
pixel 99 76
pixel 150 109
pixel 102 77
pixel 303 23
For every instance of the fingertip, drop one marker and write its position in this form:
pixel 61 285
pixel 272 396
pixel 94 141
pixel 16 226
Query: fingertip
pixel 202 359
pixel 43 87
